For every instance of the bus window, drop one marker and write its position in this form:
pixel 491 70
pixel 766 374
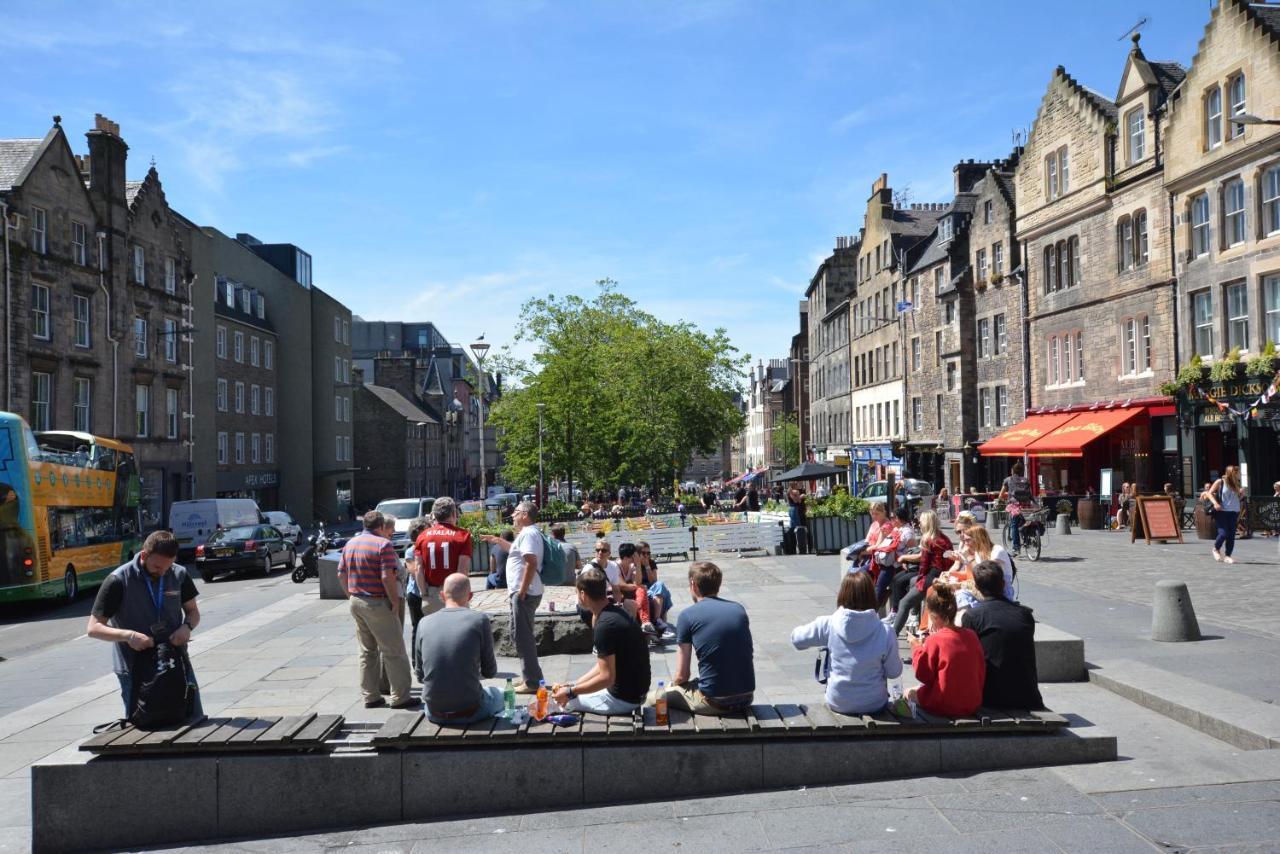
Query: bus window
pixel 106 459
pixel 9 509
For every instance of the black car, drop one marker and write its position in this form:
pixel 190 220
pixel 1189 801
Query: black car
pixel 260 547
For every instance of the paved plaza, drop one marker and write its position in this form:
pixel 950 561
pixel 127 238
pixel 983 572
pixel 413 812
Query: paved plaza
pixel 272 648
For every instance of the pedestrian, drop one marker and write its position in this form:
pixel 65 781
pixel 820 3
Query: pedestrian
pixel 149 600
pixel 796 511
pixel 1227 497
pixel 524 570
pixel 753 499
pixel 367 574
pixel 441 550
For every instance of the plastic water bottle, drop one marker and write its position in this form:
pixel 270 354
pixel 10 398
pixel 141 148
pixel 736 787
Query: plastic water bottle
pixel 509 700
pixel 542 699
pixel 660 705
pixel 898 700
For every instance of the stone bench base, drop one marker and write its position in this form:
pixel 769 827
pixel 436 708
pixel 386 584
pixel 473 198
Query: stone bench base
pixel 269 794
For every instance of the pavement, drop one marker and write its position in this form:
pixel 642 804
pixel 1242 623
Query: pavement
pixel 267 646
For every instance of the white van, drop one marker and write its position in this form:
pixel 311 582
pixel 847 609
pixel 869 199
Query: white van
pixel 193 522
pixel 405 510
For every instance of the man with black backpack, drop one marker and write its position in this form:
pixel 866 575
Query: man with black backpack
pixel 147 608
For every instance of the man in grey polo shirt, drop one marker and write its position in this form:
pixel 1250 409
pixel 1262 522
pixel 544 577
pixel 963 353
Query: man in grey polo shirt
pixel 455 647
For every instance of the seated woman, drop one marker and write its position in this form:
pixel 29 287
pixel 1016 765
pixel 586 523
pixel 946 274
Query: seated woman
pixel 984 549
pixel 855 552
pixel 864 651
pixel 886 555
pixel 908 588
pixel 949 662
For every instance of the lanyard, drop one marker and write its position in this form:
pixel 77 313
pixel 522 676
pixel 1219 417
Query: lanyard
pixel 157 595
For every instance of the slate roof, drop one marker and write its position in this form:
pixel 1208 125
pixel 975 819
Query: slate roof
pixel 1267 15
pixel 1169 76
pixel 1005 181
pixel 400 404
pixel 15 154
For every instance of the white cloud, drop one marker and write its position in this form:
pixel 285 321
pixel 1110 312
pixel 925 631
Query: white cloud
pixel 302 158
pixel 852 119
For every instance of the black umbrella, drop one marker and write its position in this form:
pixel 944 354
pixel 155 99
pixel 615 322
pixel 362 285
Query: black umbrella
pixel 809 471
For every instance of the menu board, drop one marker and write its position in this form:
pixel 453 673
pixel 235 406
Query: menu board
pixel 1157 516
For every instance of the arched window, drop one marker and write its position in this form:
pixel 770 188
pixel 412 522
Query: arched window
pixel 1141 244
pixel 1124 244
pixel 1235 96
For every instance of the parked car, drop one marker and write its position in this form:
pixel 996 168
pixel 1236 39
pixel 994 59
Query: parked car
pixel 284 523
pixel 405 510
pixel 193 522
pixel 260 547
pixel 503 501
pixel 918 492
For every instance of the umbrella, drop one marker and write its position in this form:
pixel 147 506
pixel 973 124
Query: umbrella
pixel 809 471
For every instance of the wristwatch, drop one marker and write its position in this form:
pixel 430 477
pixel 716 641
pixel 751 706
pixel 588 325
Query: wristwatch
pixel 190 627
pixel 572 691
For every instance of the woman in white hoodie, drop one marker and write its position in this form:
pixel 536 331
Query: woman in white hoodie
pixel 864 651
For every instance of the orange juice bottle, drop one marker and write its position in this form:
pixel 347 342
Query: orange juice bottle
pixel 542 699
pixel 660 705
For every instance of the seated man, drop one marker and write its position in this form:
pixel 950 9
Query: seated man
pixel 455 649
pixel 1007 633
pixel 720 632
pixel 619 681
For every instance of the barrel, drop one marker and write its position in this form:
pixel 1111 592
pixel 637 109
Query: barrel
pixel 1089 514
pixel 1205 527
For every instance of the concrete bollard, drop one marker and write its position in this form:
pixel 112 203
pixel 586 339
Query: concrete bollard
pixel 1172 617
pixel 1063 524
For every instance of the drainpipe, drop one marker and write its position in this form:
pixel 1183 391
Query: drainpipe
pixel 1173 285
pixel 1024 284
pixel 115 342
pixel 8 314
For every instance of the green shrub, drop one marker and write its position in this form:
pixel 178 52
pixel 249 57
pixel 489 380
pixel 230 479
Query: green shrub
pixel 1224 370
pixel 1191 373
pixel 840 504
pixel 1264 364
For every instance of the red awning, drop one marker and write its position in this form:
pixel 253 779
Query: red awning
pixel 1014 441
pixel 1069 439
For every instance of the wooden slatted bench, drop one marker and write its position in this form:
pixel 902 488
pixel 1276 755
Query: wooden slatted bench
pixel 220 735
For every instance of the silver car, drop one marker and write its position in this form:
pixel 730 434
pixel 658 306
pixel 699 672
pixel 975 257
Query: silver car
pixel 284 523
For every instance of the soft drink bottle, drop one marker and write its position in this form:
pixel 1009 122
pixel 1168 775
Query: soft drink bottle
pixel 542 699
pixel 660 705
pixel 509 700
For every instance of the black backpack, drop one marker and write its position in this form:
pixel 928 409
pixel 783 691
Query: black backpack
pixel 163 695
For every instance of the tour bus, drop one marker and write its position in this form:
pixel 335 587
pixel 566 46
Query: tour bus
pixel 68 510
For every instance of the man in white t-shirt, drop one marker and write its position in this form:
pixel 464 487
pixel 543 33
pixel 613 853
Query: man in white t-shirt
pixel 524 581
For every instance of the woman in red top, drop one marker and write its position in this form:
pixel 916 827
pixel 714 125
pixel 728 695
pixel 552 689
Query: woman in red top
pixel 909 589
pixel 949 663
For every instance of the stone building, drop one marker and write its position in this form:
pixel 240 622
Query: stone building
pixel 877 329
pixel 397 445
pixel 98 280
pixel 799 402
pixel 827 301
pixel 1223 182
pixel 1093 220
pixel 765 403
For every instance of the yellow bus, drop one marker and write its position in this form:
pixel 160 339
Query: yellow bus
pixel 68 510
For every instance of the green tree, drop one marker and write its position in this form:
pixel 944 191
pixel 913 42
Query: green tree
pixel 628 398
pixel 787 438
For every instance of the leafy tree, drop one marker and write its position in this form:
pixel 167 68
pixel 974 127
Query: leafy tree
pixel 788 439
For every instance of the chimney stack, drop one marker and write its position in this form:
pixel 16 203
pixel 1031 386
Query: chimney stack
pixel 107 156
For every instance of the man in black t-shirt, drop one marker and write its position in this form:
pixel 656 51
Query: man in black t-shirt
pixel 1007 632
pixel 619 681
pixel 740 499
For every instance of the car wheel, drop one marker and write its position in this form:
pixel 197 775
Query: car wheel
pixel 291 557
pixel 208 575
pixel 71 584
pixel 266 563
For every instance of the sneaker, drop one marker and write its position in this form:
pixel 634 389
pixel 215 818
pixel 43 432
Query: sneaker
pixel 375 704
pixel 648 629
pixel 1217 555
pixel 888 620
pixel 411 703
pixel 1227 559
pixel 526 689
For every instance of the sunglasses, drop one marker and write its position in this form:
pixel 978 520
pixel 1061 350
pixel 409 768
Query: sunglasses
pixel 602 551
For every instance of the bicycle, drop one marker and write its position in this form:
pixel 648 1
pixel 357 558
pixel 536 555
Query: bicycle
pixel 1033 532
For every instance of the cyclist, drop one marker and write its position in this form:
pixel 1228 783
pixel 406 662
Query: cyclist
pixel 1016 490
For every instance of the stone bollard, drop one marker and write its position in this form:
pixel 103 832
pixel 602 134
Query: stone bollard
pixel 1063 523
pixel 1172 617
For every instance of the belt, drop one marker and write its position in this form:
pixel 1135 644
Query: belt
pixel 453 716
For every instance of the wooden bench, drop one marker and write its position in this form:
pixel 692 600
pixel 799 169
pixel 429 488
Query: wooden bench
pixel 220 735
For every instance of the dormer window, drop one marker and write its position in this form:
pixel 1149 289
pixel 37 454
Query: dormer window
pixel 230 294
pixel 1136 133
pixel 946 229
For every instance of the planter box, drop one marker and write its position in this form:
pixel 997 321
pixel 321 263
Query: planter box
pixel 829 534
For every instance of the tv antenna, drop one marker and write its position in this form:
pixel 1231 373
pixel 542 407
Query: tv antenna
pixel 1142 22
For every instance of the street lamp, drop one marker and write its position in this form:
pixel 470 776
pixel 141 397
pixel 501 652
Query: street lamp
pixel 481 348
pixel 542 495
pixel 1251 119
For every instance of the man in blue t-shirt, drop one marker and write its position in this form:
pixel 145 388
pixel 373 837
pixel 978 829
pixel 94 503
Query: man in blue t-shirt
pixel 719 631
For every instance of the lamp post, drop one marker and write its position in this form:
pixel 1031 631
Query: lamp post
pixel 542 495
pixel 481 348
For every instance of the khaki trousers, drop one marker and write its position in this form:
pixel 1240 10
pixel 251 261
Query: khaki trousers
pixel 380 634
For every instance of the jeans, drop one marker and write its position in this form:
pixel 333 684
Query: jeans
pixel 522 631
pixel 913 599
pixel 885 578
pixel 490 705
pixel 1226 521
pixel 602 703
pixel 1015 534
pixel 658 590
pixel 902 582
pixel 126 693
pixel 851 552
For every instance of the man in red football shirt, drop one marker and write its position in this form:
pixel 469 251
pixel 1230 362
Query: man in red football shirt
pixel 442 550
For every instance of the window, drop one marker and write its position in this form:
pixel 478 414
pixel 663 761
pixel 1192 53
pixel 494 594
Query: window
pixel 1124 240
pixel 1052 378
pixel 1074 271
pixel 346 371
pixel 255 399
pixel 982 265
pixel 40 327
pixel 1200 225
pixel 171 412
pixel 139 265
pixel 1064 170
pixel 1202 316
pixel 170 275
pixel 170 340
pixel 1001 334
pixel 1129 345
pixel 937 348
pixel 949 312
pixel 1002 405
pixel 1213 118
pixel 346 332
pixel 338 452
pixel 1051 176
pixel 1141 244
pixel 1079 356
pixel 917 414
pixel 237 349
pixel 997 258
pixel 261 306
pixel 80 319
pixel 302 270
pixel 1271 307
pixel 915 354
pixel 79 243
pixel 1051 269
pixel 986 212
pixel 984 338
pixel 897 418
pixel 268 354
pixel 239 397
pixel 222 395
pixel 222 449
pixel 337 329
pixel 246 301
pixel 946 229
pixel 1135 133
pixel 268 401
pixel 1238 316
pixel 337 369
pixel 254 352
pixel 255 448
pixel 951 376
pixel 222 342
pixel 82 406
pixel 1235 92
pixel 937 406
pixel 270 447
pixel 39 231
pixel 1271 200
pixel 142 407
pixel 230 294
pixel 140 337
pixel 346 409
pixel 239 449
pixel 1233 212
pixel 41 401
pixel 337 408
pixel 984 407
pixel 937 280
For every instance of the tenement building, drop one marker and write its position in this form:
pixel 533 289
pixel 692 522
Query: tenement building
pixel 766 405
pixel 1093 218
pixel 1223 180
pixel 798 402
pixel 827 299
pixel 97 273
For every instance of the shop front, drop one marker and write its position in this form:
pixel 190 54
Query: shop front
pixel 872 463
pixel 1229 424
pixel 263 486
pixel 926 461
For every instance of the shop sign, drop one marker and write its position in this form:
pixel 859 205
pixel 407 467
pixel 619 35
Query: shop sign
pixel 841 460
pixel 1212 417
pixel 1239 388
pixel 261 479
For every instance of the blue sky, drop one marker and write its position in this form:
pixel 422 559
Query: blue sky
pixel 446 161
